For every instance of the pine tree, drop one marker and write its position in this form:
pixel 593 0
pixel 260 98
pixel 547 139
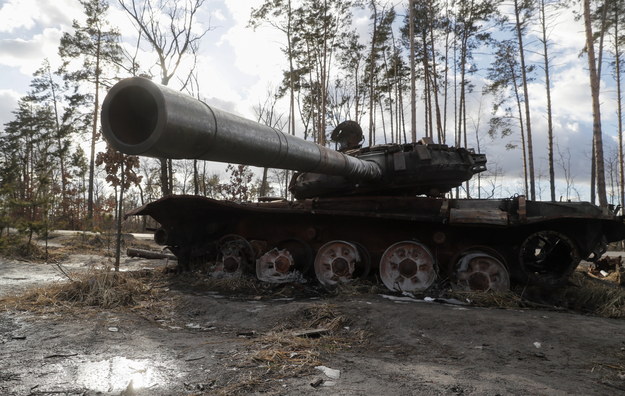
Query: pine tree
pixel 27 166
pixel 522 12
pixel 506 84
pixel 596 107
pixel 546 67
pixel 96 45
pixel 46 90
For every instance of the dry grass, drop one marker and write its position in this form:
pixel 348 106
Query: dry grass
pixel 17 247
pixel 359 287
pixel 100 242
pixel 314 317
pixel 587 294
pixel 284 348
pixel 507 299
pixel 583 293
pixel 282 353
pixel 97 288
pixel 88 242
pixel 245 284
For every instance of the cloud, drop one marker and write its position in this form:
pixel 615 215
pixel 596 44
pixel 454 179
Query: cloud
pixel 28 54
pixel 31 31
pixel 29 14
pixel 8 103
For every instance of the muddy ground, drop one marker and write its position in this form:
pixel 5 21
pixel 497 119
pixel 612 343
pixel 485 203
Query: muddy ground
pixel 190 339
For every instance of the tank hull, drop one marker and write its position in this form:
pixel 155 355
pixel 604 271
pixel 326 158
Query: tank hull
pixel 535 242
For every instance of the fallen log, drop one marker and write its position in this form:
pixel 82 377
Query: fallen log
pixel 149 254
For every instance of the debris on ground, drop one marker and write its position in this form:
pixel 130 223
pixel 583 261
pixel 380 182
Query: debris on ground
pixel 610 269
pixel 329 372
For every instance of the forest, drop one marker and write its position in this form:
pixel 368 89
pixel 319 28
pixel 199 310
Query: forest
pixel 418 70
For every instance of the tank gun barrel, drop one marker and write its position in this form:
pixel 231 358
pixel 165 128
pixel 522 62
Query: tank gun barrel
pixel 140 117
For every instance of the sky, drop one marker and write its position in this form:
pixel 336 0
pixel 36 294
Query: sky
pixel 239 65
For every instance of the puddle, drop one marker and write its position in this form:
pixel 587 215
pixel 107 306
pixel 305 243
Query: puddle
pixel 118 374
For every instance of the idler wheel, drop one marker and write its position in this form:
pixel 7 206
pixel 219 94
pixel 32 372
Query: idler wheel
pixel 479 270
pixel 548 257
pixel 407 266
pixel 235 256
pixel 340 262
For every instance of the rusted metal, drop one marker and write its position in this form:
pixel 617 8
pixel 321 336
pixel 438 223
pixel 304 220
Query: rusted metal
pixel 522 209
pixel 480 270
pixel 336 262
pixel 407 266
pixel 277 266
pixel 191 221
pixel 548 257
pixel 235 258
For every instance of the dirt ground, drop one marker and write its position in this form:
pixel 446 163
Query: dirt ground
pixel 195 340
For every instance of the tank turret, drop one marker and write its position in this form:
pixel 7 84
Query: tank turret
pixel 140 117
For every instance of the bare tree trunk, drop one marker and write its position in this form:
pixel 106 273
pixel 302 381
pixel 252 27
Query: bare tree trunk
pixel 596 109
pixel 389 85
pixel 593 157
pixel 170 42
pixel 120 211
pixel 94 135
pixel 324 85
pixel 372 74
pixel 446 81
pixel 528 123
pixel 427 89
pixel 196 179
pixel 593 173
pixel 517 96
pixel 413 78
pixel 456 133
pixel 62 159
pixel 402 114
pixel 619 107
pixel 263 184
pixel 434 76
pixel 552 177
pixel 164 177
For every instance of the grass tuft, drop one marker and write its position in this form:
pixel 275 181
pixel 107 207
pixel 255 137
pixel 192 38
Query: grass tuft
pixel 96 288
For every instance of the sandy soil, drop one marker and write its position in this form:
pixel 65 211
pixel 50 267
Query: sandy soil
pixel 203 342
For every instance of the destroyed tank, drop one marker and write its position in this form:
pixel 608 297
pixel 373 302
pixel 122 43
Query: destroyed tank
pixel 377 212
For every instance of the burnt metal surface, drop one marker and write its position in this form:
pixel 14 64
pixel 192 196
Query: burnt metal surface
pixel 356 210
pixel 480 270
pixel 407 266
pixel 542 246
pixel 420 168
